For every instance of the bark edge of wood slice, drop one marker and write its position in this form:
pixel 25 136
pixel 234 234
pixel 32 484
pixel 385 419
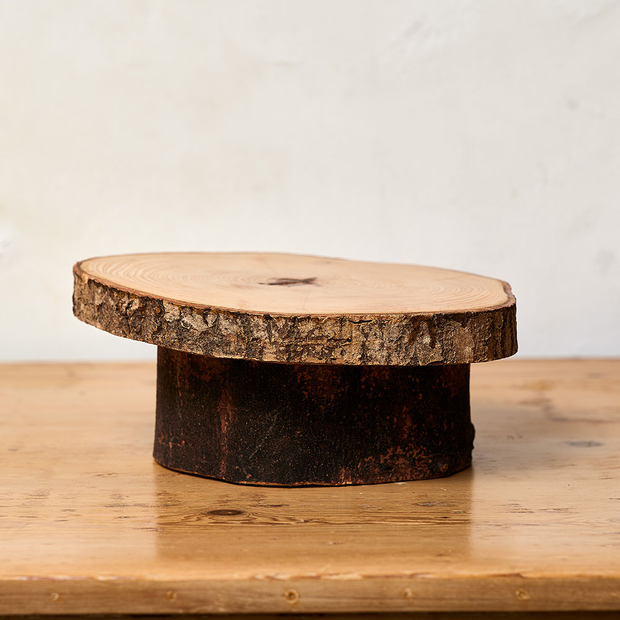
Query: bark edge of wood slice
pixel 291 308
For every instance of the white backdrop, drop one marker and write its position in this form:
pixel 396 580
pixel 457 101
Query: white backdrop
pixel 470 134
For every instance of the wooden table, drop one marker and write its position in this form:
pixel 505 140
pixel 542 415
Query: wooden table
pixel 90 524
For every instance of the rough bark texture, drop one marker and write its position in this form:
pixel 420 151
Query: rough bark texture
pixel 308 424
pixel 399 339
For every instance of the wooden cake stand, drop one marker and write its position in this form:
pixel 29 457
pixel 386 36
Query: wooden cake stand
pixel 292 370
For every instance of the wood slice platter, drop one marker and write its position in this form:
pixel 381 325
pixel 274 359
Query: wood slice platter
pixel 324 358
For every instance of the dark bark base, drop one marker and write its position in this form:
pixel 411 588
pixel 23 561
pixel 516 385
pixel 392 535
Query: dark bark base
pixel 307 424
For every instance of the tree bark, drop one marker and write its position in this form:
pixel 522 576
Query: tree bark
pixel 308 424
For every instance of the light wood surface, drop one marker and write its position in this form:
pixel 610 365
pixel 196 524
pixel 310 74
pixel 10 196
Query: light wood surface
pixel 419 615
pixel 296 284
pixel 298 309
pixel 90 524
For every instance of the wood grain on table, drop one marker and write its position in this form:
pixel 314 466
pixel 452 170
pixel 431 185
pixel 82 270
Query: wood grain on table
pixel 90 524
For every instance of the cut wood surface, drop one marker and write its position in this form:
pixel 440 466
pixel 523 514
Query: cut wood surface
pixel 298 309
pixel 90 524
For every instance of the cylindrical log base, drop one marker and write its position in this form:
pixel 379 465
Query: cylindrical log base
pixel 309 424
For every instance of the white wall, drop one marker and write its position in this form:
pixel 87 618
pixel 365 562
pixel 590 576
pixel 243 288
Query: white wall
pixel 471 134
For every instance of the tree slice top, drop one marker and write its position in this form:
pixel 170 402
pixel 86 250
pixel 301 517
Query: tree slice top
pixel 290 284
pixel 295 309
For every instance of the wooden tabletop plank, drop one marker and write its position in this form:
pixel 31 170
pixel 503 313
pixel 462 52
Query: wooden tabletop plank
pixel 90 524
